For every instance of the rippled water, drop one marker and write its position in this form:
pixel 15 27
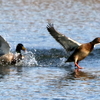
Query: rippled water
pixel 43 75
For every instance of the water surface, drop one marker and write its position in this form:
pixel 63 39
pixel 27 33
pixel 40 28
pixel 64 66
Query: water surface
pixel 43 75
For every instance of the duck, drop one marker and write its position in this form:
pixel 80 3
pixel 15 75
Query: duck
pixel 6 56
pixel 77 51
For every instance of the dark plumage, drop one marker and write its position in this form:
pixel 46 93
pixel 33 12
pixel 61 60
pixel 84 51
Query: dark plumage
pixel 18 56
pixel 80 50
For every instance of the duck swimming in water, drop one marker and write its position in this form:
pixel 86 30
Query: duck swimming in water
pixel 6 57
pixel 80 51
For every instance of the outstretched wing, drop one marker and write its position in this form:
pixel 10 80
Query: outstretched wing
pixel 4 46
pixel 66 42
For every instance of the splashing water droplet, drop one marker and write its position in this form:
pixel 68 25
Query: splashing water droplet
pixel 29 59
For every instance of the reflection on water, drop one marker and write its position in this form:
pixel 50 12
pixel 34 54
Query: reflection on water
pixel 42 82
pixel 4 71
pixel 83 75
pixel 72 74
pixel 49 79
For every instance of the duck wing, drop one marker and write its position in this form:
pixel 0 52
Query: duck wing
pixel 67 43
pixel 4 46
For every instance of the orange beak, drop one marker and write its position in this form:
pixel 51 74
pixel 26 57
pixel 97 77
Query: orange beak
pixel 23 48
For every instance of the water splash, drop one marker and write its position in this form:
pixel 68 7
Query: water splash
pixel 29 60
pixel 62 61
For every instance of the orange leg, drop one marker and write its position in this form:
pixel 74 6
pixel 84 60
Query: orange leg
pixel 76 64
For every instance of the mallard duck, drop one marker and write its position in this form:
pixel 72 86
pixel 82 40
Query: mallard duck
pixel 7 57
pixel 80 51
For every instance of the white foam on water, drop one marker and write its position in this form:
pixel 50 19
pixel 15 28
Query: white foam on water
pixel 28 60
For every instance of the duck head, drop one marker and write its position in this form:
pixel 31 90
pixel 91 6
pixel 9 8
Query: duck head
pixel 96 41
pixel 20 47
